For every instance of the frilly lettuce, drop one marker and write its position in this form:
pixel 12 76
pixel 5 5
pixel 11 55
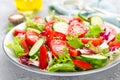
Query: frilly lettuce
pixel 16 47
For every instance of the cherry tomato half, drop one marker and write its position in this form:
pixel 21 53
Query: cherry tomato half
pixel 18 31
pixel 76 29
pixel 31 38
pixel 57 46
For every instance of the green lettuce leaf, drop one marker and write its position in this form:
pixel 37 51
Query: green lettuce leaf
pixel 62 67
pixel 16 47
pixel 62 63
pixel 74 42
pixel 36 25
pixel 117 37
pixel 94 31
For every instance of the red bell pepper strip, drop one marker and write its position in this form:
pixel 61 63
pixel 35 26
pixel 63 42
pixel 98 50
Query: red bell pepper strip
pixel 82 64
pixel 49 32
pixel 95 41
pixel 74 53
pixel 114 44
pixel 25 47
pixel 43 57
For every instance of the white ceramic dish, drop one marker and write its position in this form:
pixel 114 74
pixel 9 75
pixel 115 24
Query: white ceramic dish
pixel 9 37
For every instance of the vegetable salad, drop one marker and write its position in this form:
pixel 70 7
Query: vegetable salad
pixel 66 44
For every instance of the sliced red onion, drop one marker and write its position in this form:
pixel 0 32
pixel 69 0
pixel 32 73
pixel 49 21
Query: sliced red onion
pixel 24 60
pixel 86 51
pixel 113 48
pixel 35 63
pixel 49 57
pixel 104 45
pixel 105 35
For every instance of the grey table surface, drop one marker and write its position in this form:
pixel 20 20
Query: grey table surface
pixel 9 71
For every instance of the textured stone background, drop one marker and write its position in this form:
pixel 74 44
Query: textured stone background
pixel 9 71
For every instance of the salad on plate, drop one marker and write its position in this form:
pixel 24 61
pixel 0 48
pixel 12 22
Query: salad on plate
pixel 66 43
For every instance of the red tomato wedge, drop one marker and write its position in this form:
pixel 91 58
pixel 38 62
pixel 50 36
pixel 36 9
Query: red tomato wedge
pixel 76 29
pixel 31 38
pixel 50 34
pixel 82 64
pixel 59 35
pixel 112 31
pixel 18 31
pixel 38 19
pixel 57 46
pixel 53 35
pixel 114 44
pixel 95 41
pixel 75 20
pixel 43 57
pixel 25 47
pixel 74 53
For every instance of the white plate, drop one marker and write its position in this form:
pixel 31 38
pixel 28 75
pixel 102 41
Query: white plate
pixel 10 54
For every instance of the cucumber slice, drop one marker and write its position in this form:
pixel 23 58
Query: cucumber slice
pixel 36 46
pixel 96 60
pixel 96 20
pixel 34 30
pixel 48 18
pixel 61 27
pixel 83 17
pixel 98 57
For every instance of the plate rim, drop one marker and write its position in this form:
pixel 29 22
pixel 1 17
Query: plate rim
pixel 28 68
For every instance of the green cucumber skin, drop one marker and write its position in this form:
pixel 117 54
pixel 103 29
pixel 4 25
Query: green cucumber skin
pixel 82 17
pixel 97 63
pixel 36 46
pixel 47 18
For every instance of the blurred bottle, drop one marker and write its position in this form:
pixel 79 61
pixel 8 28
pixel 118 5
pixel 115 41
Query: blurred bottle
pixel 28 6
